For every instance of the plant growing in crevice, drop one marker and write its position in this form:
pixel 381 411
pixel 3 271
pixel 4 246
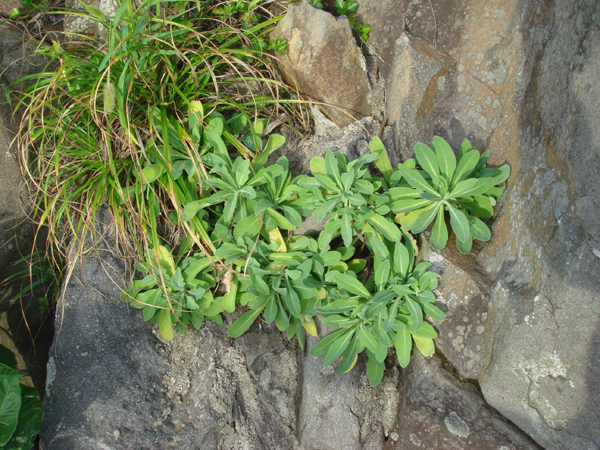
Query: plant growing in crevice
pixel 348 8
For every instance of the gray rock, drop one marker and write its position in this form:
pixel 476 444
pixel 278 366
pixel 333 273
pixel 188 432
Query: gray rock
pixel 438 411
pixel 344 411
pixel 104 386
pixel 323 62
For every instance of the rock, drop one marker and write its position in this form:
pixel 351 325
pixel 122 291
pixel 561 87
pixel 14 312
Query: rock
pixel 7 7
pixel 462 336
pixel 81 24
pixel 421 70
pixel 521 86
pixel 238 394
pixel 439 412
pixel 323 62
pixel 344 411
pixel 104 386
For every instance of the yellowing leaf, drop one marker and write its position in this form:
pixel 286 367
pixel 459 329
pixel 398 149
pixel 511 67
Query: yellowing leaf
pixel 353 364
pixel 310 326
pixel 425 345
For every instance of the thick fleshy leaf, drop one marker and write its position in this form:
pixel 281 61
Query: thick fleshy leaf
pixel 416 313
pixel 462 187
pixel 425 345
pixel 425 219
pixel 401 259
pixel 332 168
pixel 427 159
pixel 416 180
pixel 478 229
pixel 379 249
pixel 465 246
pixel 338 346
pixel 439 233
pixel 317 166
pixel 349 357
pixel 375 371
pixel 385 227
pixel 426 330
pixel 410 204
pixel 403 345
pixel 465 167
pixel 321 347
pixel 433 311
pixel 382 274
pixel 445 156
pixel 464 148
pixel 459 223
pixel 240 326
pixel 382 161
pixel 165 326
pixel 351 284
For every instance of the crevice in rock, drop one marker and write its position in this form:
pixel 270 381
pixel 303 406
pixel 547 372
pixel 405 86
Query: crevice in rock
pixel 447 365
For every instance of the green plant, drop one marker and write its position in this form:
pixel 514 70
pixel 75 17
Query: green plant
pixel 128 120
pixel 20 407
pixel 468 191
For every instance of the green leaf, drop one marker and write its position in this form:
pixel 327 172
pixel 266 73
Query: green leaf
pixel 275 141
pixel 379 249
pixel 351 284
pixel 338 346
pixel 321 347
pixel 385 227
pixel 465 246
pixel 29 421
pixel 247 227
pixel 240 326
pixel 403 345
pixel 445 156
pixel 382 161
pixel 150 173
pixel 465 167
pixel 426 331
pixel 416 313
pixel 427 159
pixel 416 180
pixel 331 168
pixel 382 274
pixel 367 339
pixel 165 325
pixel 348 357
pixel 481 206
pixel 433 311
pixel 478 229
pixel 459 223
pixel 439 233
pixel 375 370
pixel 7 357
pixel 166 260
pixel 462 188
pixel 409 204
pixel 425 219
pixel 10 402
pixel 317 166
pixel 401 259
pixel 346 230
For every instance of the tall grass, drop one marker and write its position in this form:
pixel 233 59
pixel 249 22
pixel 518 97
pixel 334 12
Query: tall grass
pixel 123 119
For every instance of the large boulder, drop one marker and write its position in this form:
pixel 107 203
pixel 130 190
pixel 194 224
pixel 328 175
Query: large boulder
pixel 517 78
pixel 323 62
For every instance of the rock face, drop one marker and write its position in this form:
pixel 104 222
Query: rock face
pixel 438 411
pixel 321 53
pixel 519 82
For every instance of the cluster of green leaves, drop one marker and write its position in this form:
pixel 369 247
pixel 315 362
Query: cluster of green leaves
pixel 468 191
pixel 348 8
pixel 20 407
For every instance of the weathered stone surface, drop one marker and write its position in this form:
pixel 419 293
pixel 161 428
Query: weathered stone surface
pixel 463 335
pixel 439 412
pixel 344 411
pixel 521 85
pixel 104 385
pixel 323 62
